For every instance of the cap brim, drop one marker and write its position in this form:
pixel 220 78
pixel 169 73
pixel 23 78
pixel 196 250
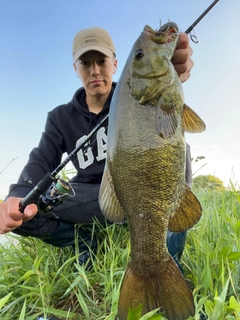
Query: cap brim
pixel 103 50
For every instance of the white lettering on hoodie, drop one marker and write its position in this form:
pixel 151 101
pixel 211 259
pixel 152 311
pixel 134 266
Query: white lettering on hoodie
pixel 87 158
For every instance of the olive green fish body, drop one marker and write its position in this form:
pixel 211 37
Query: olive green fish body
pixel 148 178
pixel 143 179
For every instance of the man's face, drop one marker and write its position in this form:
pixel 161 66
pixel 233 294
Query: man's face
pixel 95 71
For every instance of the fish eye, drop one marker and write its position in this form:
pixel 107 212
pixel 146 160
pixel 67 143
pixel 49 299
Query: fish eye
pixel 139 54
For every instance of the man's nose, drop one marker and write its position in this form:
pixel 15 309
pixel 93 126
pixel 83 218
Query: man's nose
pixel 95 68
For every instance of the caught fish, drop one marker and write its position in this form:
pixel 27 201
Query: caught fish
pixel 143 179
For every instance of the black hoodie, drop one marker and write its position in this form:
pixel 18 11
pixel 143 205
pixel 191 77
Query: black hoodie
pixel 65 125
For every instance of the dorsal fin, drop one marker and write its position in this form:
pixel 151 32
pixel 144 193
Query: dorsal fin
pixel 191 121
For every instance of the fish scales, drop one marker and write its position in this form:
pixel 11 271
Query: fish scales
pixel 138 188
pixel 144 176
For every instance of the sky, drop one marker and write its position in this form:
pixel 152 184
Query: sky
pixel 36 72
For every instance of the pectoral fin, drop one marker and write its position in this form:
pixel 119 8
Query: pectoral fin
pixel 188 213
pixel 166 121
pixel 191 121
pixel 108 201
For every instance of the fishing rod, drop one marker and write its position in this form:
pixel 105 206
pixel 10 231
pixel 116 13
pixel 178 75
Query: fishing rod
pixel 193 37
pixel 51 190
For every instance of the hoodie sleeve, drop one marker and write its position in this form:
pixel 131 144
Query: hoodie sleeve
pixel 43 159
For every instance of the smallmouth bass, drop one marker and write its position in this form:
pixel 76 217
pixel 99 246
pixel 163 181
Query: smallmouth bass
pixel 143 179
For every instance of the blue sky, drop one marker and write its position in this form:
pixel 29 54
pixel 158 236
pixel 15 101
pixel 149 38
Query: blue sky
pixel 36 72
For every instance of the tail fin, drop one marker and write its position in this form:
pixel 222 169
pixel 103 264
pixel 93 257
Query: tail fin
pixel 167 290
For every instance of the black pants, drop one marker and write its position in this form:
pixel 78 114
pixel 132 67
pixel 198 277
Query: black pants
pixel 81 210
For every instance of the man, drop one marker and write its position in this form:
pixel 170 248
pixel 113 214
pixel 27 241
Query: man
pixel 95 63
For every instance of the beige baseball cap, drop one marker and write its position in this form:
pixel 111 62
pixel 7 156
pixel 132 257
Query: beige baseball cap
pixel 92 39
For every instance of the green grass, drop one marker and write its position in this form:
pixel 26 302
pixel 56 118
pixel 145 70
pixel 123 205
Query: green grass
pixel 36 278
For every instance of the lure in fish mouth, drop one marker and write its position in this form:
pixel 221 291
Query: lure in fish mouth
pixel 165 34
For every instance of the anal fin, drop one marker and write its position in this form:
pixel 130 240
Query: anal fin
pixel 188 213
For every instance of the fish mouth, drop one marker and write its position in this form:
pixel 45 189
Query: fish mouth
pixel 164 34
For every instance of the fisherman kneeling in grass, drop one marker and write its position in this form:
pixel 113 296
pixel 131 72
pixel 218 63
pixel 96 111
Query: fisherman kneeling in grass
pixel 95 63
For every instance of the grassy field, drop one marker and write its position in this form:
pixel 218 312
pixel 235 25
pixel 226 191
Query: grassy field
pixel 38 279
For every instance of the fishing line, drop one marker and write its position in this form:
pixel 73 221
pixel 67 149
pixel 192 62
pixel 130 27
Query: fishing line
pixel 217 8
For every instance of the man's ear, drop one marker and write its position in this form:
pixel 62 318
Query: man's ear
pixel 115 66
pixel 75 69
